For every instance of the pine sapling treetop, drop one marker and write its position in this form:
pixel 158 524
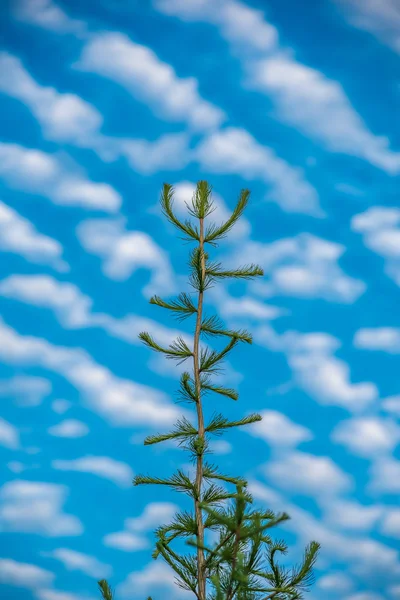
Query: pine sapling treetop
pixel 242 563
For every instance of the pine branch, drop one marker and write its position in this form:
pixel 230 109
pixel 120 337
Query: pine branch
pixel 228 392
pixel 178 481
pixel 183 306
pixel 213 326
pixel 166 201
pixel 178 350
pixel 219 423
pixel 183 431
pixel 209 359
pixel 105 590
pixel 214 271
pixel 215 233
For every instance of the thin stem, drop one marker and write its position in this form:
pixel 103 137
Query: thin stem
pixel 201 567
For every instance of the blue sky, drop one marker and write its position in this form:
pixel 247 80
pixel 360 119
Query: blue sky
pixel 104 101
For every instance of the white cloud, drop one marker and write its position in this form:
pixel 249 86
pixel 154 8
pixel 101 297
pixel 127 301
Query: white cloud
pixel 278 430
pixel 392 405
pixel 36 507
pixel 65 299
pixel 304 97
pixel 386 339
pixel 235 151
pixel 18 235
pixel 25 389
pixel 126 541
pixel 123 252
pixel 60 406
pixel 315 368
pixel 380 228
pixel 46 14
pixel 16 466
pixel 139 70
pixel 131 539
pixel 169 152
pixel 351 515
pixel 385 476
pixel 307 474
pixel 155 575
pixel 365 596
pixel 239 23
pixel 367 436
pixel 9 435
pixel 36 172
pixel 74 310
pixel 77 561
pixel 70 428
pixel 364 555
pixel 304 266
pixel 153 515
pixel 335 583
pixel 103 466
pixel 121 401
pixel 57 595
pixel 390 525
pixel 319 108
pixel 63 117
pixel 23 574
pixel 379 17
pixel 220 447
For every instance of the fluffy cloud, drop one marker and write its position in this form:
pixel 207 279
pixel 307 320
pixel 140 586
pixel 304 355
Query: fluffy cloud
pixel 36 507
pixel 132 538
pixel 74 310
pixel 335 583
pixel 18 235
pixel 126 541
pixel 46 14
pixel 23 575
pixel 385 476
pixel 381 18
pixel 239 24
pixel 380 228
pixel 386 339
pixel 235 151
pixel 143 74
pixel 58 595
pixel 352 516
pixel 125 251
pixel 36 172
pixel 364 555
pixel 70 428
pixel 315 368
pixel 390 525
pixel 123 402
pixel 307 474
pixel 65 299
pixel 26 390
pixel 77 561
pixel 367 436
pixel 9 435
pixel 304 266
pixel 303 97
pixel 103 466
pixel 319 108
pixel 63 117
pixel 278 430
pixel 155 575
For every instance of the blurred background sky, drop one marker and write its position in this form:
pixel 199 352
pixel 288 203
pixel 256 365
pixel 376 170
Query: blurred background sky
pixel 101 102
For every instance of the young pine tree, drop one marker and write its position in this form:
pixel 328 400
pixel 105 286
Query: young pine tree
pixel 241 563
